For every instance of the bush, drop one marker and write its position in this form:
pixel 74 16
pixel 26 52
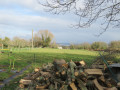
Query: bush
pixel 73 46
pixel 99 45
pixel 86 46
pixel 66 47
pixel 53 45
pixel 114 45
pixel 80 46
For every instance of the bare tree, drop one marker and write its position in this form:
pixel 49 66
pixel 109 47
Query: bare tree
pixel 20 43
pixel 88 11
pixel 43 38
pixel 16 42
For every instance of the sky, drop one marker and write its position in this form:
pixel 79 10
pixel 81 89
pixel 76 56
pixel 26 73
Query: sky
pixel 19 17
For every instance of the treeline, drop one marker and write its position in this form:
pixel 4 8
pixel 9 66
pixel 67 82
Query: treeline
pixel 114 45
pixel 42 38
pixel 16 42
pixel 45 38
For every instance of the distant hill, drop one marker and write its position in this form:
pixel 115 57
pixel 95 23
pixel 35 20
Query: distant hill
pixel 63 44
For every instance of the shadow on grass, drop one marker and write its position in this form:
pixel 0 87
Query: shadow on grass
pixel 23 59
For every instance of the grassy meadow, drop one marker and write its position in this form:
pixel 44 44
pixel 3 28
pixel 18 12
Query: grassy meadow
pixel 24 57
pixel 44 55
pixel 38 56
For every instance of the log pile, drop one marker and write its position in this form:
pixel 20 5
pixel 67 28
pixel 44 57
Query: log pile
pixel 62 75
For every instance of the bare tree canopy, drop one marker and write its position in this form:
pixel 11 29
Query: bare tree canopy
pixel 43 38
pixel 88 11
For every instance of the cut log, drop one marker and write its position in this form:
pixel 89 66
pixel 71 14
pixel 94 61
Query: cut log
pixel 98 86
pixel 108 83
pixel 47 74
pixel 113 88
pixel 118 84
pixel 82 63
pixel 27 78
pixel 93 71
pixel 41 87
pixel 36 69
pixel 25 82
pixel 64 87
pixel 57 74
pixel 110 62
pixel 65 65
pixel 58 64
pixel 76 73
pixel 72 85
pixel 21 86
pixel 81 85
pixel 35 75
pixel 63 72
pixel 59 81
pixel 51 87
pixel 102 78
pixel 56 85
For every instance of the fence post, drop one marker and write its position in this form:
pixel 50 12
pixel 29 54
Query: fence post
pixel 2 46
pixel 8 56
pixel 34 60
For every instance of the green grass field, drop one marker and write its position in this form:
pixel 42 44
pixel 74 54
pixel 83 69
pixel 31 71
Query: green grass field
pixel 41 55
pixel 38 56
pixel 44 55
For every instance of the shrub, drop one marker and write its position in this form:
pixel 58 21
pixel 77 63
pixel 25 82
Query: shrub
pixel 114 45
pixel 99 45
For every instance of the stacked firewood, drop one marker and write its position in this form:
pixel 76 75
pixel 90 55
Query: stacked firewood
pixel 62 75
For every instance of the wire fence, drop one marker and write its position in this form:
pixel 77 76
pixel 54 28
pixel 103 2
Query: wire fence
pixel 20 58
pixel 111 56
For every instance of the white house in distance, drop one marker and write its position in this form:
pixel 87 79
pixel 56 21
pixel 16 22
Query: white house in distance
pixel 60 47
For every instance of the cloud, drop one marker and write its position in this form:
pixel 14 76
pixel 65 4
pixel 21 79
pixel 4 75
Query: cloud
pixel 28 4
pixel 31 21
pixel 13 24
pixel 19 17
